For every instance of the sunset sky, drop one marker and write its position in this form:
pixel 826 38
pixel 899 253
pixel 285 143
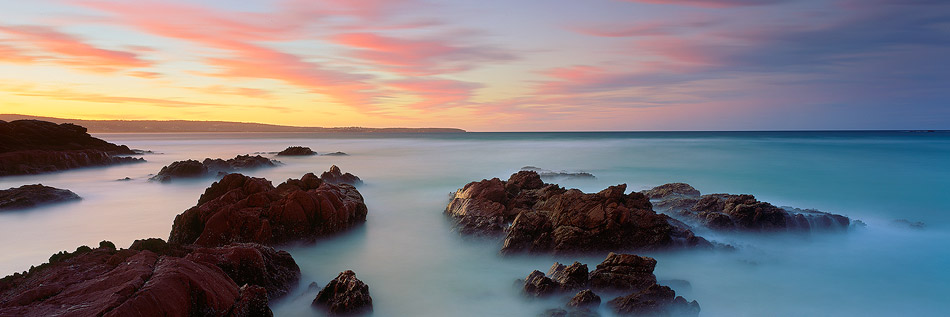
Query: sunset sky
pixel 514 65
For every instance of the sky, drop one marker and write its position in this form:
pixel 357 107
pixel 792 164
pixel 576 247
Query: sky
pixel 489 65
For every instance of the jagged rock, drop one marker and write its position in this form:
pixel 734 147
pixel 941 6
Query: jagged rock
pixel 740 212
pixel 239 208
pixel 109 282
pixel 538 285
pixel 345 295
pixel 211 167
pixel 253 264
pixel 548 218
pixel 296 151
pixel 657 300
pixel 33 147
pixel 623 272
pixel 335 176
pixel 585 298
pixel 571 277
pixel 32 195
pixel 558 175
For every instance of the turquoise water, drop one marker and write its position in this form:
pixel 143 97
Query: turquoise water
pixel 416 266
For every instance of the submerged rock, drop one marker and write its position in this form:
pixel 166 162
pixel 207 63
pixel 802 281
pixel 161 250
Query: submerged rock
pixel 538 285
pixel 739 212
pixel 27 196
pixel 657 300
pixel 33 147
pixel 558 175
pixel 338 153
pixel 918 225
pixel 585 298
pixel 345 295
pixel 335 176
pixel 211 167
pixel 297 151
pixel 623 272
pixel 239 208
pixel 181 281
pixel 548 218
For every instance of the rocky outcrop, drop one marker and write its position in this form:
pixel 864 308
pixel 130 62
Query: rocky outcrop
pixel 239 208
pixel 297 151
pixel 338 153
pixel 335 176
pixel 344 295
pixel 657 300
pixel 548 218
pixel 903 223
pixel 211 167
pixel 550 175
pixel 728 212
pixel 179 281
pixel 33 147
pixel 32 195
pixel 618 273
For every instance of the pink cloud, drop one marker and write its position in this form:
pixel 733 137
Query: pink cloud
pixel 418 57
pixel 712 3
pixel 437 93
pixel 69 50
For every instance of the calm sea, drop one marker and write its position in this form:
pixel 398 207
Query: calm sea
pixel 417 266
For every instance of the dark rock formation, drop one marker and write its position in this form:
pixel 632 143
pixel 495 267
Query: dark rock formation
pixel 657 300
pixel 33 147
pixel 345 295
pixel 32 195
pixel 211 167
pixel 335 154
pixel 335 176
pixel 239 208
pixel 179 281
pixel 573 312
pixel 623 272
pixel 296 151
pixel 548 218
pixel 617 273
pixel 585 298
pixel 550 175
pixel 739 212
pixel 904 223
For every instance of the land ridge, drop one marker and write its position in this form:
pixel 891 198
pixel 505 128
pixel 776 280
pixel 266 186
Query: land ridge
pixel 138 126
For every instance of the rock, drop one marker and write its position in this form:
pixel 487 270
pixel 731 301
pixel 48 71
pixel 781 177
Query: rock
pixel 585 298
pixel 253 264
pixel 335 176
pixel 27 196
pixel 683 286
pixel 211 167
pixel 550 175
pixel 573 312
pixel 124 179
pixel 538 285
pixel 33 147
pixel 657 300
pixel 624 272
pixel 296 151
pixel 671 189
pixel 897 222
pixel 239 208
pixel 335 154
pixel 728 212
pixel 571 277
pixel 548 218
pixel 128 282
pixel 345 295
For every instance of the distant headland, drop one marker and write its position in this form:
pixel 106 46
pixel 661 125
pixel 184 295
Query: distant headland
pixel 157 126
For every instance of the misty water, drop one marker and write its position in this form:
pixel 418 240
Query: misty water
pixel 416 265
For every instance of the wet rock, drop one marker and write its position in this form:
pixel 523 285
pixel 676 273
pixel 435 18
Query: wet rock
pixel 623 272
pixel 345 295
pixel 657 300
pixel 571 277
pixel 550 175
pixel 253 264
pixel 585 298
pixel 538 285
pixel 27 196
pixel 33 147
pixel 904 223
pixel 728 212
pixel 335 176
pixel 548 218
pixel 109 282
pixel 297 151
pixel 211 167
pixel 239 208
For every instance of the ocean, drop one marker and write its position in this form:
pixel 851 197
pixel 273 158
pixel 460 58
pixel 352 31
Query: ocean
pixel 416 265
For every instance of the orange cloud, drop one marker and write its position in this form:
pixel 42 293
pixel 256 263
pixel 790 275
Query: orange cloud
pixel 418 57
pixel 68 50
pixel 437 93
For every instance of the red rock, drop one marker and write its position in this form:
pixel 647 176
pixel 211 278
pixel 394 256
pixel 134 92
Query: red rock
pixel 345 295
